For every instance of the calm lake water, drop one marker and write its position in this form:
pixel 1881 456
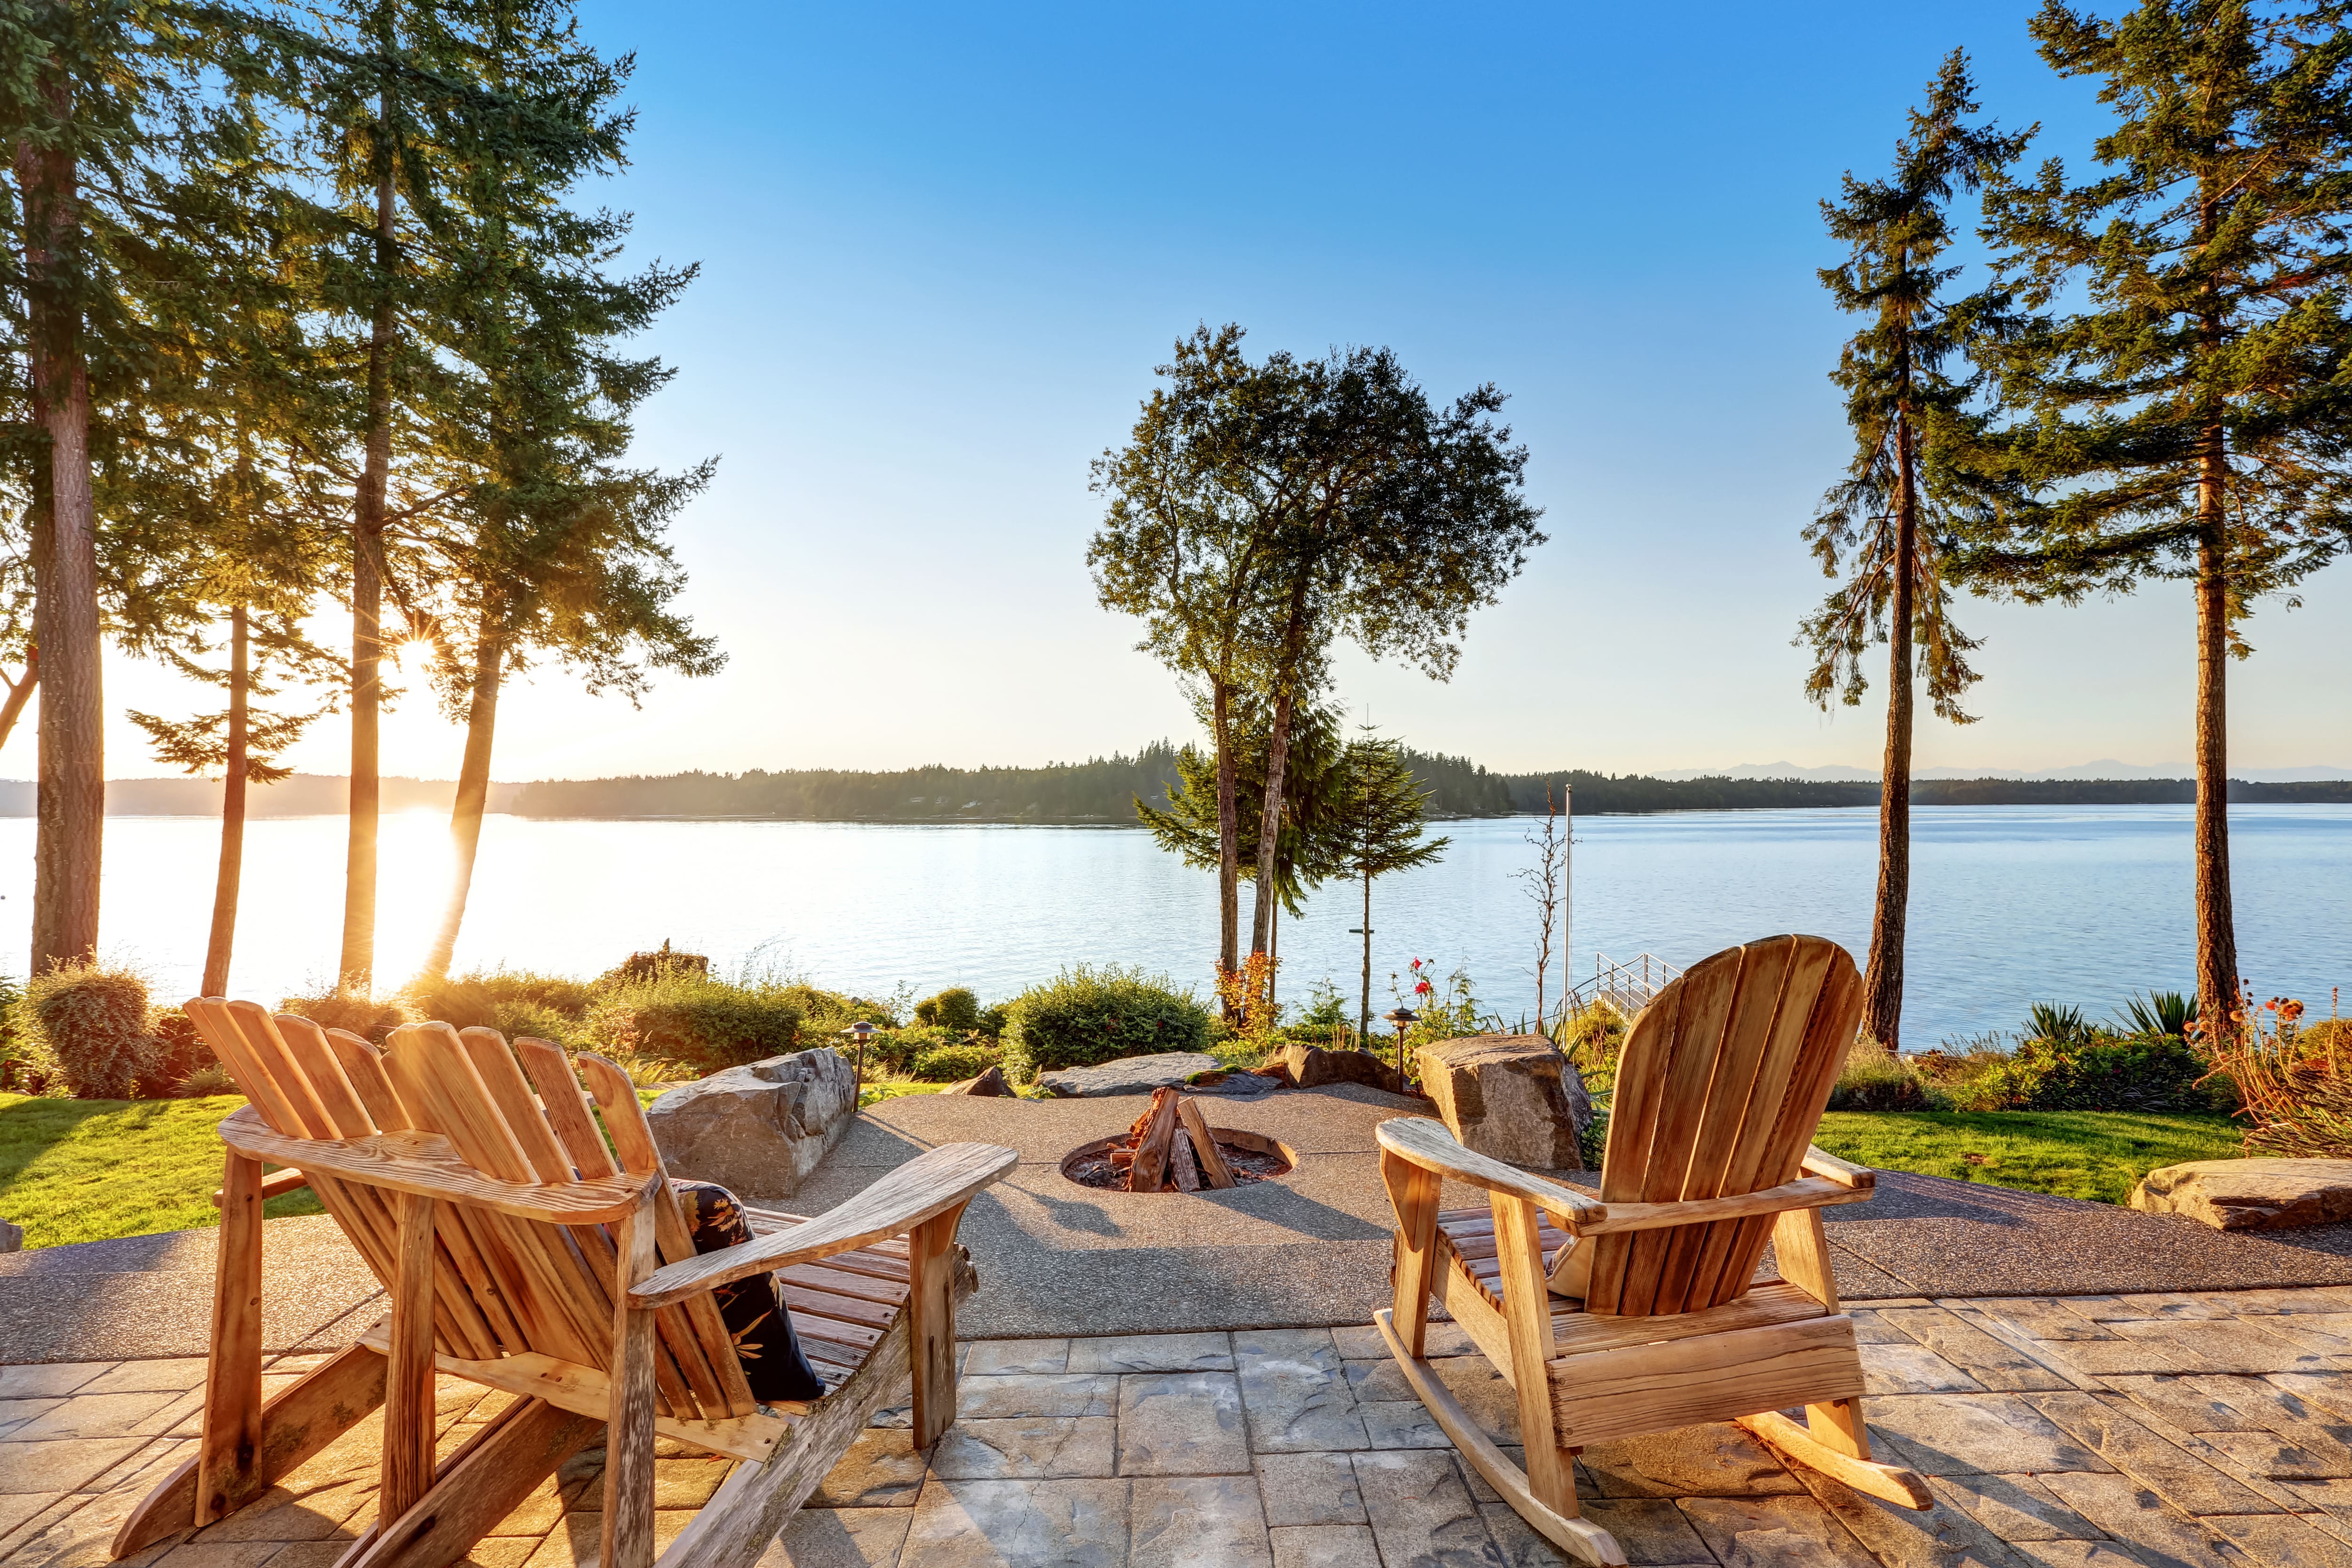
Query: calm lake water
pixel 2010 905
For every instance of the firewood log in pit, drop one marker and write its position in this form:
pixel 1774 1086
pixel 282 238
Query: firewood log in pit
pixel 1171 1148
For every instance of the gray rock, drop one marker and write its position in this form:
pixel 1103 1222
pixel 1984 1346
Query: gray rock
pixel 1312 1067
pixel 12 1237
pixel 1130 1075
pixel 1513 1097
pixel 2250 1195
pixel 756 1130
pixel 990 1082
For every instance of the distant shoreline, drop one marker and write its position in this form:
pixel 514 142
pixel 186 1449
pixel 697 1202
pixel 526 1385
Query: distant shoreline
pixel 1100 794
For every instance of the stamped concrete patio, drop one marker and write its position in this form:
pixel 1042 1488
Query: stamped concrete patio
pixel 2061 1421
pixel 2158 1431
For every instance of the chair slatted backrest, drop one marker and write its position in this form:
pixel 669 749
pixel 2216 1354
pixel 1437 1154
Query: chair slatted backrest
pixel 502 1286
pixel 1720 1086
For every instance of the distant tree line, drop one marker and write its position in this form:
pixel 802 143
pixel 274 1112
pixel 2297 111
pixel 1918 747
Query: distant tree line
pixel 1106 789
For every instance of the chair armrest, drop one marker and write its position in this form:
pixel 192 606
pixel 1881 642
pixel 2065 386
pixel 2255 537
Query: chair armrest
pixel 1844 1173
pixel 274 1184
pixel 921 1189
pixel 1804 1193
pixel 1429 1144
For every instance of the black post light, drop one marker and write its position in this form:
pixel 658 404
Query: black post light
pixel 1404 1018
pixel 862 1031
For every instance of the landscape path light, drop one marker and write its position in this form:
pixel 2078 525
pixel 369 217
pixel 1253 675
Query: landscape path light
pixel 862 1031
pixel 1404 1018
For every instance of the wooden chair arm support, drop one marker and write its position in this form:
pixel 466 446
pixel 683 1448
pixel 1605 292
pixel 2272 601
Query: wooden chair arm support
pixel 1804 1193
pixel 421 1165
pixel 1427 1142
pixel 1844 1173
pixel 920 1190
pixel 275 1184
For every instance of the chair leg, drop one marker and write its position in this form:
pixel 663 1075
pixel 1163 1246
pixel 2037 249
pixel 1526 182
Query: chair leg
pixel 1526 1314
pixel 628 1522
pixel 231 1446
pixel 408 1370
pixel 1412 1192
pixel 1838 1425
pixel 930 1323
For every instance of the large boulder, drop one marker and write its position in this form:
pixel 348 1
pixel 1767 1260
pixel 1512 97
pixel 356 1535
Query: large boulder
pixel 992 1082
pixel 756 1130
pixel 1513 1097
pixel 1312 1067
pixel 2250 1195
pixel 1130 1075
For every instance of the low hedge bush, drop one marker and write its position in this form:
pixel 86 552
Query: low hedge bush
pixel 1882 1080
pixel 701 1024
pixel 955 1063
pixel 340 1008
pixel 955 1008
pixel 81 1030
pixel 1092 1014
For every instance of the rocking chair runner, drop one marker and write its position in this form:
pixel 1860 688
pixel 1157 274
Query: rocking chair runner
pixel 1720 1084
pixel 523 1253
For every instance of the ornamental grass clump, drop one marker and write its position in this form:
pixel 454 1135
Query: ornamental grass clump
pixel 1875 1078
pixel 2294 1081
pixel 81 1030
pixel 1091 1014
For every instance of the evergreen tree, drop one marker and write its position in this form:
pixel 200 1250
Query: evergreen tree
pixel 2190 419
pixel 1376 829
pixel 554 549
pixel 104 109
pixel 1880 525
pixel 410 102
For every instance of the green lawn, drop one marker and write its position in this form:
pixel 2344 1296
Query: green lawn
pixel 2095 1154
pixel 84 1169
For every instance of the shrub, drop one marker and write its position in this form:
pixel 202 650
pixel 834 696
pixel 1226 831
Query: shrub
pixel 640 967
pixel 473 1001
pixel 827 1013
pixel 1592 1037
pixel 953 1064
pixel 955 1008
pixel 2146 1072
pixel 536 1020
pixel 207 1081
pixel 1873 1078
pixel 180 1053
pixel 84 1029
pixel 354 1011
pixel 2158 1013
pixel 684 1017
pixel 994 1020
pixel 1088 1014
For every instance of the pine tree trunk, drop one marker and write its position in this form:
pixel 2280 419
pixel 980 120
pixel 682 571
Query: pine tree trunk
pixel 72 764
pixel 1364 1014
pixel 357 969
pixel 2217 937
pixel 473 789
pixel 1229 834
pixel 1882 982
pixel 233 786
pixel 20 692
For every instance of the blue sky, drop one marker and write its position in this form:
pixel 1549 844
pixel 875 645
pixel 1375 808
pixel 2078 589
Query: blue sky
pixel 942 248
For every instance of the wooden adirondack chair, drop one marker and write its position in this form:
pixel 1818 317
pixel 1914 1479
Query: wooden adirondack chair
pixel 523 1253
pixel 1634 1314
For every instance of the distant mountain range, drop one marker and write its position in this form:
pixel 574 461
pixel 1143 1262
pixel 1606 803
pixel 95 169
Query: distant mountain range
pixel 2105 768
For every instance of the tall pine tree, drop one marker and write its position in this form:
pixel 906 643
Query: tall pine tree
pixel 1881 524
pixel 2178 401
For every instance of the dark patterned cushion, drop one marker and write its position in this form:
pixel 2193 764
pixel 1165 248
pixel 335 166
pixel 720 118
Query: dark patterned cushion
pixel 752 1308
